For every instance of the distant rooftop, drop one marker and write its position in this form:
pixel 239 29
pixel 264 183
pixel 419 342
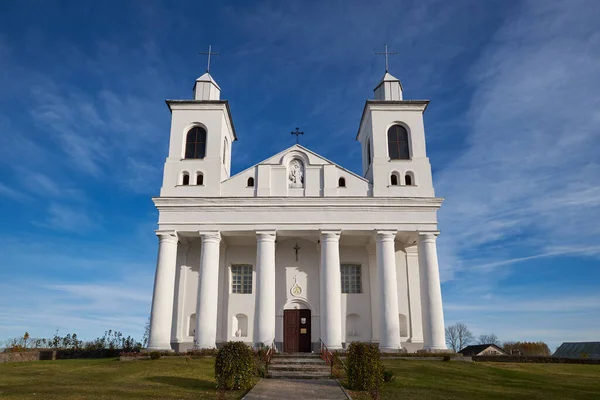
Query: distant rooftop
pixel 579 350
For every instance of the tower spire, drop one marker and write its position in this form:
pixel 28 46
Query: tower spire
pixel 209 53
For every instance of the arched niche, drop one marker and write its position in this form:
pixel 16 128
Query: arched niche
pixel 239 325
pixel 192 325
pixel 352 326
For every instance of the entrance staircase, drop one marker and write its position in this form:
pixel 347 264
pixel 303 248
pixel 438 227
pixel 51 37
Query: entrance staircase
pixel 298 366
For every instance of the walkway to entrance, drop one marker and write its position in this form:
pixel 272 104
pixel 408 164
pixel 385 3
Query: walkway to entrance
pixel 296 389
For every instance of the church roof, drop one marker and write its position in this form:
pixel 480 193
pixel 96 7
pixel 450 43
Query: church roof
pixel 274 159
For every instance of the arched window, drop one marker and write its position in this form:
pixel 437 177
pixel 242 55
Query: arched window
pixel 225 151
pixel 368 153
pixel 394 180
pixel 185 180
pixel 408 180
pixel 199 178
pixel 250 182
pixel 342 182
pixel 398 143
pixel 195 143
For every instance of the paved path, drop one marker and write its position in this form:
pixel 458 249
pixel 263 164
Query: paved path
pixel 292 389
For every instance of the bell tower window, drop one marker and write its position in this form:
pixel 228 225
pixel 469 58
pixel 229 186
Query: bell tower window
pixel 250 182
pixel 195 143
pixel 199 179
pixel 398 143
pixel 185 179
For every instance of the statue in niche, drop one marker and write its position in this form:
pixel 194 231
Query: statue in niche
pixel 296 174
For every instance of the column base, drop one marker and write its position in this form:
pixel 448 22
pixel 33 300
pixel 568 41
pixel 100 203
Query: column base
pixel 434 350
pixel 390 349
pixel 160 347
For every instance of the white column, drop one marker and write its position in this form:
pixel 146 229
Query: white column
pixel 164 291
pixel 389 325
pixel 264 314
pixel 331 290
pixel 208 287
pixel 177 331
pixel 431 293
pixel 414 294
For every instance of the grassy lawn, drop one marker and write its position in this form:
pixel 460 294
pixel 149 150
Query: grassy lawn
pixel 176 378
pixel 461 380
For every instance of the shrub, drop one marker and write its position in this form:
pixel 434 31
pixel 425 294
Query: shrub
pixel 155 355
pixel 364 370
pixel 234 366
pixel 388 375
pixel 447 358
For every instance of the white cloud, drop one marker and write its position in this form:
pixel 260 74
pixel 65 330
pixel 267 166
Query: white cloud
pixel 529 176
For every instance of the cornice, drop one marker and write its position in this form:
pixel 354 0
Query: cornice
pixel 298 203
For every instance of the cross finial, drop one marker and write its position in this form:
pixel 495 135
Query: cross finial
pixel 386 52
pixel 297 133
pixel 209 53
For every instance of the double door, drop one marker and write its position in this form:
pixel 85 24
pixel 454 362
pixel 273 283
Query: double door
pixel 296 331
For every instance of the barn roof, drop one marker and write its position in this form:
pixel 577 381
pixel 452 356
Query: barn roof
pixel 578 350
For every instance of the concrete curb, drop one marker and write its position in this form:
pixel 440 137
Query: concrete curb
pixel 251 389
pixel 344 389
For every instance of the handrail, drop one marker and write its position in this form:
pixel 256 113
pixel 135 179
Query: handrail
pixel 269 355
pixel 329 357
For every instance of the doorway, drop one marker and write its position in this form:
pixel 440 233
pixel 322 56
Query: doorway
pixel 296 331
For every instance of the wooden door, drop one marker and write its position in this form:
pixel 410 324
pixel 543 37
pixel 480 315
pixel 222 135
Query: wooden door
pixel 291 330
pixel 304 338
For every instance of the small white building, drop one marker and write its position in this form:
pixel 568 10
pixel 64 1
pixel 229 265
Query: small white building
pixel 296 249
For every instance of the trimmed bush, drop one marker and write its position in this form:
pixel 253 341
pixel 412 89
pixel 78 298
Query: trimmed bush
pixel 155 355
pixel 234 366
pixel 364 370
pixel 388 375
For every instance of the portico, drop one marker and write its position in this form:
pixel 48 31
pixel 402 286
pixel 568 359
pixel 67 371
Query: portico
pixel 281 282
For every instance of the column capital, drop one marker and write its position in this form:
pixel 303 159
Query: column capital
pixel 428 237
pixel 210 237
pixel 386 236
pixel 330 235
pixel 268 236
pixel 167 236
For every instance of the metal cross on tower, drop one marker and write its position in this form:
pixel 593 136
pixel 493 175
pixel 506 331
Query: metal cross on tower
pixel 386 52
pixel 297 133
pixel 209 53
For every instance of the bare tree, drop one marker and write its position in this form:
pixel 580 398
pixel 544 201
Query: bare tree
pixel 458 336
pixel 488 339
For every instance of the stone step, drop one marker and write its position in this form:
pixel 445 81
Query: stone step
pixel 296 355
pixel 298 375
pixel 297 361
pixel 302 367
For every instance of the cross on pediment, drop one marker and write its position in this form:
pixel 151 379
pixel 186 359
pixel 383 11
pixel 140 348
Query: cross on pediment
pixel 297 133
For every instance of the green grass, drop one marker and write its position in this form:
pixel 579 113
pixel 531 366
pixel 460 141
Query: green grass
pixel 461 380
pixel 167 378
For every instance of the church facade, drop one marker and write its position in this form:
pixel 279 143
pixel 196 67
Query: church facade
pixel 296 250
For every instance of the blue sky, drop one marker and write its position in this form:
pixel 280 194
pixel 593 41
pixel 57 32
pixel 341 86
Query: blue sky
pixel 513 132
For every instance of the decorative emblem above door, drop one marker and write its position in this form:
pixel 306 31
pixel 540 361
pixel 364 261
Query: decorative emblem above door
pixel 296 290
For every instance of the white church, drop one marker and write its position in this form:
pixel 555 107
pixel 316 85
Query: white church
pixel 297 251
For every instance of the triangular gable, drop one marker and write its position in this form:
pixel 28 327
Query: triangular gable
pixel 277 160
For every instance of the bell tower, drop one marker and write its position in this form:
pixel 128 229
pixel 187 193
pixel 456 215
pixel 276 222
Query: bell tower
pixel 200 145
pixel 392 137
